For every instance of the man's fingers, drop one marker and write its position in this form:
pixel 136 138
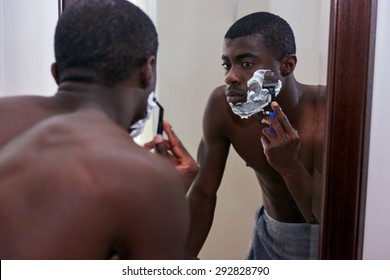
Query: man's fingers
pixel 264 142
pixel 282 118
pixel 175 144
pixel 159 144
pixel 160 149
pixel 170 133
pixel 150 145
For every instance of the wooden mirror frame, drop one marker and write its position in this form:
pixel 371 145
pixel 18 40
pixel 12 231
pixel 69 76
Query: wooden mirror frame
pixel 349 87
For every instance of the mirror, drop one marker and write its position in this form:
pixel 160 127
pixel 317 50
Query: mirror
pixel 189 68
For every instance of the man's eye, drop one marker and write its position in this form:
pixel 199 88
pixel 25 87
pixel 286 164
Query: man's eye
pixel 247 64
pixel 226 65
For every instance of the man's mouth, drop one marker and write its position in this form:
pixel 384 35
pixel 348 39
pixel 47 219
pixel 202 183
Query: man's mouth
pixel 235 97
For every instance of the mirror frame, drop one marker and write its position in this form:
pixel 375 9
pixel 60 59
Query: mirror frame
pixel 349 90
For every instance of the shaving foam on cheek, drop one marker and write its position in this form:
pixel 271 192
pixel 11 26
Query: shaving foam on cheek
pixel 137 128
pixel 255 91
pixel 257 96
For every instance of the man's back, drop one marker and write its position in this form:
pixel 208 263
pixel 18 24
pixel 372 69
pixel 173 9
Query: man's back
pixel 19 113
pixel 77 187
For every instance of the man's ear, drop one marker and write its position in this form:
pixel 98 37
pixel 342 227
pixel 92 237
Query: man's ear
pixel 287 65
pixel 148 72
pixel 54 73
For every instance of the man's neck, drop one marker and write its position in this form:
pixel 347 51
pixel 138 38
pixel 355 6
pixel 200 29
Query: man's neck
pixel 112 101
pixel 290 95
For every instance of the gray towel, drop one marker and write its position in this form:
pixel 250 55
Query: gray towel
pixel 273 240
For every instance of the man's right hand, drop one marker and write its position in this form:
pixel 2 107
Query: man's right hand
pixel 177 154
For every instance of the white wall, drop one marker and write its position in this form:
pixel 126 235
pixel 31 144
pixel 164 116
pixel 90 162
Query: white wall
pixel 310 22
pixel 377 226
pixel 26 46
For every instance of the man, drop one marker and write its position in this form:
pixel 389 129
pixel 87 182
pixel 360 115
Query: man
pixel 280 149
pixel 73 184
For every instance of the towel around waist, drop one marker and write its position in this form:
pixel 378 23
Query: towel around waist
pixel 286 240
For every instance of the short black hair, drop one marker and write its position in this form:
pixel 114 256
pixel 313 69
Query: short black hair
pixel 103 41
pixel 276 32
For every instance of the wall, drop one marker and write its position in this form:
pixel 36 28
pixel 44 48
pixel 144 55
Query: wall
pixel 189 68
pixel 26 46
pixel 377 227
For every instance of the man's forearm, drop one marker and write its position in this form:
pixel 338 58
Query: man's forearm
pixel 202 214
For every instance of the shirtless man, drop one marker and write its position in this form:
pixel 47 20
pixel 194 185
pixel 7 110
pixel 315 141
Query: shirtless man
pixel 73 184
pixel 280 150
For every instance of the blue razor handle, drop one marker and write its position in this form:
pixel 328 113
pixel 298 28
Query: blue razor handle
pixel 272 115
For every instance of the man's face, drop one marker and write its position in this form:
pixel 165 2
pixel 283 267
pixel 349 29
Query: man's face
pixel 148 103
pixel 241 58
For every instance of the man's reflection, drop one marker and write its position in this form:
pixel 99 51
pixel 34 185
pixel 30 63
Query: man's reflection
pixel 278 142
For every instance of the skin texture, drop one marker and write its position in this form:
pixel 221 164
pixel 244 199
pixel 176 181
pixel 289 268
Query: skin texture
pixel 83 184
pixel 284 162
pixel 74 185
pixel 87 191
pixel 173 149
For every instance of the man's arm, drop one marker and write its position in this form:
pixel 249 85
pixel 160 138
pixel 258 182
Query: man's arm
pixel 212 155
pixel 177 154
pixel 281 147
pixel 154 215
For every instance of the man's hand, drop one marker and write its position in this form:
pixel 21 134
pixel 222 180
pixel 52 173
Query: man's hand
pixel 177 154
pixel 281 142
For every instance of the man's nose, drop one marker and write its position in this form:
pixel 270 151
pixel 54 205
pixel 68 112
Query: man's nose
pixel 232 77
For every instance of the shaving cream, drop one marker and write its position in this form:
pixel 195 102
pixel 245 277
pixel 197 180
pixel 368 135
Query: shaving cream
pixel 257 97
pixel 138 127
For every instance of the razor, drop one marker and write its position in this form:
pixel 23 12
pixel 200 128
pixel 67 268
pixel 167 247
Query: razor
pixel 270 83
pixel 160 118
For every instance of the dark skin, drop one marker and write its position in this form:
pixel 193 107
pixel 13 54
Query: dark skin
pixel 74 185
pixel 284 162
pixel 174 150
pixel 19 113
pixel 76 200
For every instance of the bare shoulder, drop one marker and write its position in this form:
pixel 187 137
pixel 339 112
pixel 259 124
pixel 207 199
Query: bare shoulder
pixel 218 94
pixel 315 93
pixel 86 172
pixel 313 98
pixel 11 106
pixel 13 122
pixel 217 116
pixel 96 145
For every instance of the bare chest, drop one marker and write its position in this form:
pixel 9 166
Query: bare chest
pixel 245 138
